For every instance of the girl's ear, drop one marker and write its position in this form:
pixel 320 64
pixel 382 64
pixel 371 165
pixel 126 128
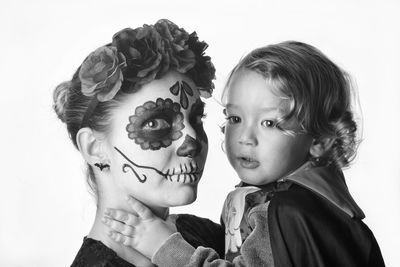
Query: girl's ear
pixel 320 146
pixel 90 147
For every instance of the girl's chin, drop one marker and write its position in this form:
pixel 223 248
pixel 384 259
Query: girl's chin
pixel 184 197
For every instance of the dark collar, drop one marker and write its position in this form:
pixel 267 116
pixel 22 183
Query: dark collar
pixel 329 183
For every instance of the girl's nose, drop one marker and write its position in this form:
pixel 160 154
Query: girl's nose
pixel 247 137
pixel 190 147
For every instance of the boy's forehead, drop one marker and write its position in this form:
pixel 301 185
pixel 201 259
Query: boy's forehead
pixel 268 108
pixel 265 108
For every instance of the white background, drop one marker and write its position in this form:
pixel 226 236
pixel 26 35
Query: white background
pixel 45 208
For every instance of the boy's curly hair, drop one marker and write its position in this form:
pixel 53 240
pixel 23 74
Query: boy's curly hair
pixel 318 91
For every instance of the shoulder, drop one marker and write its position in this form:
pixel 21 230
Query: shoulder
pixel 95 253
pixel 297 201
pixel 287 199
pixel 291 201
pixel 299 218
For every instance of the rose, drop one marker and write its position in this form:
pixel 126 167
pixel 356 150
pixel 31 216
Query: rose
pixel 101 73
pixel 203 73
pixel 176 45
pixel 143 49
pixel 152 50
pixel 187 55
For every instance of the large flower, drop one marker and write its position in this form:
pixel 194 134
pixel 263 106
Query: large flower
pixel 143 49
pixel 101 73
pixel 203 73
pixel 176 45
pixel 153 50
pixel 186 54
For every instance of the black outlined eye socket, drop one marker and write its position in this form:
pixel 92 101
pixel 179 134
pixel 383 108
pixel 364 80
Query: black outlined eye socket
pixel 156 124
pixel 197 113
pixel 199 118
pixel 196 119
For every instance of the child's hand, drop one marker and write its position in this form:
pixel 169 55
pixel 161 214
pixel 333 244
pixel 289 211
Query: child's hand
pixel 144 231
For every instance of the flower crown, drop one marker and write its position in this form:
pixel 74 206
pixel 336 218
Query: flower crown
pixel 138 56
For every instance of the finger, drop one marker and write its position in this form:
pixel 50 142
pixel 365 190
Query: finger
pixel 120 238
pixel 142 211
pixel 122 216
pixel 117 226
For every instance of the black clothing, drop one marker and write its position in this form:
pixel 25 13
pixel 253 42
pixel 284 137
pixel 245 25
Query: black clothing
pixel 195 230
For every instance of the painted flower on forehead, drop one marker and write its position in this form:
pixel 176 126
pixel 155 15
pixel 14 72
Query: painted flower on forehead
pixel 101 73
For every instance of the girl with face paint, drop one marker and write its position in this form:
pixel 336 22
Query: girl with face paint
pixel 134 111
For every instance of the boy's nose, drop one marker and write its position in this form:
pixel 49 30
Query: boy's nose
pixel 247 138
pixel 190 147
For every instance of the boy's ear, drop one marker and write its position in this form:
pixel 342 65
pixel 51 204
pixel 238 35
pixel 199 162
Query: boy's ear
pixel 90 147
pixel 320 146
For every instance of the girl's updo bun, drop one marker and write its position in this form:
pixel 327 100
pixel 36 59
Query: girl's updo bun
pixel 60 97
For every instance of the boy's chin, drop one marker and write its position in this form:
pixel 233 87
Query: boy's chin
pixel 256 181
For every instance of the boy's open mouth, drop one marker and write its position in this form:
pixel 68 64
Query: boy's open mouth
pixel 248 162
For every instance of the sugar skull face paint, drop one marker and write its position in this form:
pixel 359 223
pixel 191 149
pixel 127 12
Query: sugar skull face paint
pixel 158 148
pixel 184 89
pixel 190 147
pixel 156 124
pixel 197 113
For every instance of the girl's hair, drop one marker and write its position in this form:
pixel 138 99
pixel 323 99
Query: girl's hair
pixel 162 47
pixel 71 105
pixel 318 93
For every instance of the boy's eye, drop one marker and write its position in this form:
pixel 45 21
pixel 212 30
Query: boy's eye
pixel 233 119
pixel 268 123
pixel 155 124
